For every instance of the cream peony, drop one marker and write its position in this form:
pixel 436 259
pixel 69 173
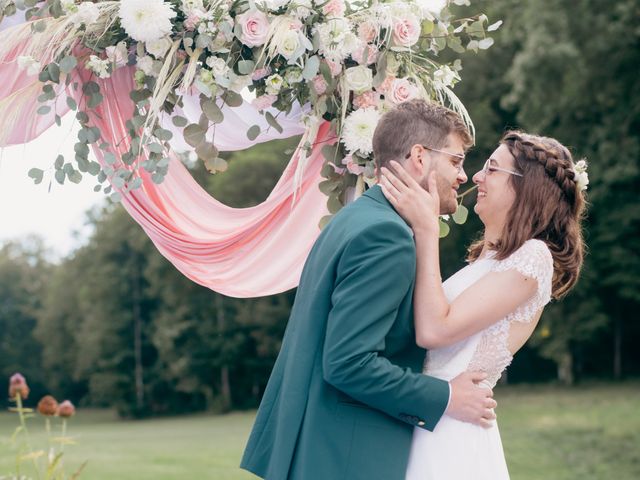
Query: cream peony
pixel 357 131
pixel 146 20
pixel 158 48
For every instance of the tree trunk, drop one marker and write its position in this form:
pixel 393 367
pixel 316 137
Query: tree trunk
pixel 617 346
pixel 137 327
pixel 565 368
pixel 225 384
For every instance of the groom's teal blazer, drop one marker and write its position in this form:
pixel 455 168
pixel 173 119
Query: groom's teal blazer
pixel 346 389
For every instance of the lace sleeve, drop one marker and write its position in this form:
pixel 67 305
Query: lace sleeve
pixel 534 260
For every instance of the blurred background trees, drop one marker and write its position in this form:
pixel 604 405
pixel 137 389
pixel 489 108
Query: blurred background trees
pixel 114 324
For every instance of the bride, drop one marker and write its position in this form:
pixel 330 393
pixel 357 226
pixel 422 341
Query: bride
pixel 531 202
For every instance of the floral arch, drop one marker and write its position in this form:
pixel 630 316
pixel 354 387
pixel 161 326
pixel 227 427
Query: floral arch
pixel 148 78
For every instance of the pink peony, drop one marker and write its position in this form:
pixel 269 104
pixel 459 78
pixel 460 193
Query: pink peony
pixel 372 54
pixel 352 166
pixel 334 67
pixel 319 84
pixel 367 31
pixel 406 31
pixel 334 8
pixel 386 84
pixel 263 102
pixel 402 90
pixel 255 26
pixel 367 99
pixel 260 73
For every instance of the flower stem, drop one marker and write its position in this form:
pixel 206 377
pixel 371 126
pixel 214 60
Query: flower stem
pixel 23 423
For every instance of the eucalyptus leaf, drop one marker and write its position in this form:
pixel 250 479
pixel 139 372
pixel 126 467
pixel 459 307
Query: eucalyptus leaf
pixel 59 176
pixel 75 177
pixel 212 111
pixel 311 68
pixel 43 110
pixel 485 43
pixel 253 132
pixel 59 161
pixel 245 67
pixel 271 120
pixel 67 64
pixel 207 152
pixel 54 72
pixel 444 228
pixel 494 26
pixel 461 214
pixel 179 121
pixel 36 174
pixel 194 134
pixel 232 98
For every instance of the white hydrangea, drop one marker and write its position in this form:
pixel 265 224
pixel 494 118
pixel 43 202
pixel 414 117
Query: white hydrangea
pixel 581 175
pixel 146 20
pixel 86 13
pixel 30 64
pixel 358 128
pixel 337 40
pixel 218 66
pixel 98 66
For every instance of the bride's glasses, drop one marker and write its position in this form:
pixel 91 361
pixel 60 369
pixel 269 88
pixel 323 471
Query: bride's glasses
pixel 489 169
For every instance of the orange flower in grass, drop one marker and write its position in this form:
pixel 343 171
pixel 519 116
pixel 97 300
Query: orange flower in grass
pixel 66 409
pixel 48 406
pixel 18 385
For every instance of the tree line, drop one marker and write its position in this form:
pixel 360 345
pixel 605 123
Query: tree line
pixel 114 324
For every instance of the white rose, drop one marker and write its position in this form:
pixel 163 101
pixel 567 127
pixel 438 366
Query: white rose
pixel 158 48
pixel 289 46
pixel 359 79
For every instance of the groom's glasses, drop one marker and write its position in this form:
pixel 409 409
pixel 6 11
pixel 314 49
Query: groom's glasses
pixel 459 165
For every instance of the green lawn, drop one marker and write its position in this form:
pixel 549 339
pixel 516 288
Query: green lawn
pixel 589 432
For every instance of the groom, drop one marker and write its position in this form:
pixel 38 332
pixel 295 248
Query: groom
pixel 347 389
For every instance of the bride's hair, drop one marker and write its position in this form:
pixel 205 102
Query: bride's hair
pixel 548 206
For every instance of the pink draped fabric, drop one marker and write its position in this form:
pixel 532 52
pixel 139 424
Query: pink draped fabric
pixel 238 252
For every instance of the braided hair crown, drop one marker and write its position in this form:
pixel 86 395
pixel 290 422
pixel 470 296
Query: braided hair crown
pixel 552 155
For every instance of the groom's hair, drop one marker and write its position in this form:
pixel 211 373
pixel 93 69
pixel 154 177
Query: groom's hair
pixel 415 122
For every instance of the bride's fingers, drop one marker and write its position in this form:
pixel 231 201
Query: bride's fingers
pixel 393 180
pixel 403 175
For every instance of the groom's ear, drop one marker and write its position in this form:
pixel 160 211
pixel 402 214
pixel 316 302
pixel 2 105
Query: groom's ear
pixel 414 163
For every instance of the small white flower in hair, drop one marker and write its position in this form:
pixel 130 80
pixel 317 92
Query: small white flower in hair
pixel 581 177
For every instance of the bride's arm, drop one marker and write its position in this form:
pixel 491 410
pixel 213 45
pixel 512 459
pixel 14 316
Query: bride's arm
pixel 439 323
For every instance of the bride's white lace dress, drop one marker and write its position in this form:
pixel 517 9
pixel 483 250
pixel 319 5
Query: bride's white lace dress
pixel 457 450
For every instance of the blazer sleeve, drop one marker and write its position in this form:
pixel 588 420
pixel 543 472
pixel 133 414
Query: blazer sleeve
pixel 374 275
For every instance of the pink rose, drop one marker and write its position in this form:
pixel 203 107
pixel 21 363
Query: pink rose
pixel 260 73
pixel 401 90
pixel 263 102
pixel 334 67
pixel 334 8
pixel 372 53
pixel 386 84
pixel 319 84
pixel 406 31
pixel 367 99
pixel 367 31
pixel 352 166
pixel 255 26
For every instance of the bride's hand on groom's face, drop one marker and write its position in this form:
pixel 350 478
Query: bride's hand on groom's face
pixel 471 402
pixel 419 208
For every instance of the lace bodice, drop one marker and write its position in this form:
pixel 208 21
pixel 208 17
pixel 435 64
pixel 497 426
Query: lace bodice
pixel 488 350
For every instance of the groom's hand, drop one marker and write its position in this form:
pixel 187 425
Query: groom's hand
pixel 471 402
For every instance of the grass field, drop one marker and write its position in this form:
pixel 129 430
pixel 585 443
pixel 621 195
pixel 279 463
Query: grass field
pixel 549 433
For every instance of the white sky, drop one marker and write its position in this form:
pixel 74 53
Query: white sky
pixel 26 208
